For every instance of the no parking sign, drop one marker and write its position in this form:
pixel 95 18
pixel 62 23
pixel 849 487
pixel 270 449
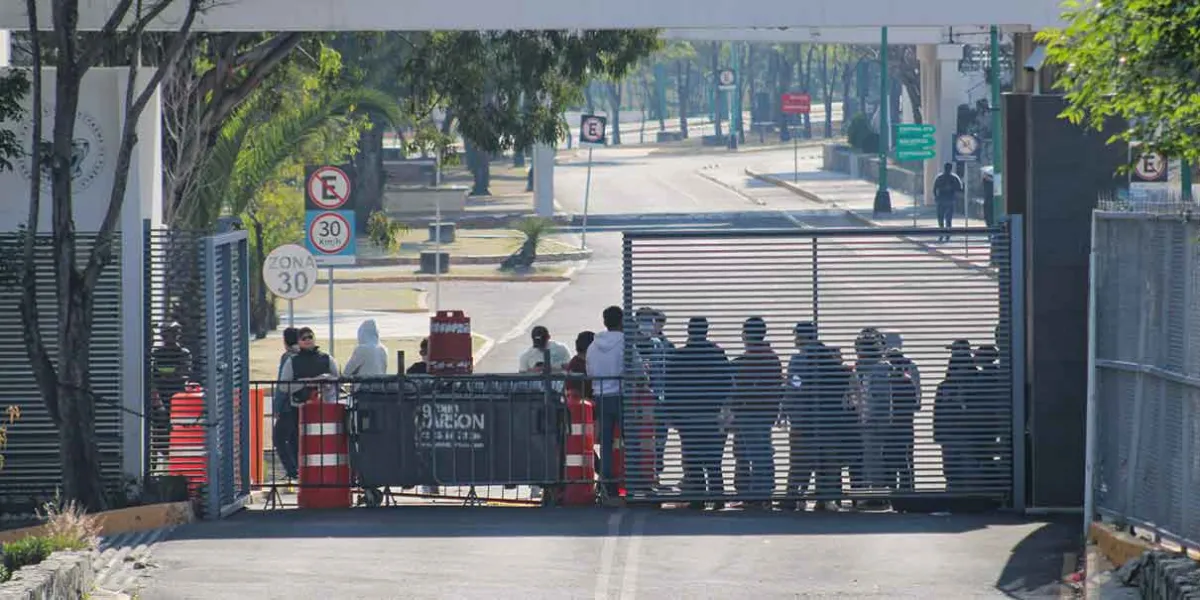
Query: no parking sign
pixel 329 231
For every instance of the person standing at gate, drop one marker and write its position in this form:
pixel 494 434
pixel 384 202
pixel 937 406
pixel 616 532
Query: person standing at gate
pixel 946 189
pixel 421 367
pixel 757 399
pixel 533 359
pixel 873 403
pixel 905 402
pixel 577 381
pixel 309 363
pixel 370 357
pixel 698 381
pixel 950 411
pixel 285 432
pixel 817 382
pixel 654 347
pixel 605 364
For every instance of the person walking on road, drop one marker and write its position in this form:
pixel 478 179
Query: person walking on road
pixel 946 190
pixel 605 364
pixel 757 396
pixel 698 381
pixel 285 433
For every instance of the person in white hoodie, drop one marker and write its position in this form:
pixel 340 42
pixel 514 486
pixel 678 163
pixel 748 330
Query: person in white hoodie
pixel 370 356
pixel 605 364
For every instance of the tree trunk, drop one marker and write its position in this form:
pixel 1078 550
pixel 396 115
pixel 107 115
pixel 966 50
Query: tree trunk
pixel 827 92
pixel 683 77
pixel 368 173
pixel 785 85
pixel 808 77
pixel 614 103
pixel 262 311
pixel 77 431
pixel 518 158
pixel 478 164
pixel 717 96
pixel 591 100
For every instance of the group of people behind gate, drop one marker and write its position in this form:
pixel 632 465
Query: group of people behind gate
pixel 857 417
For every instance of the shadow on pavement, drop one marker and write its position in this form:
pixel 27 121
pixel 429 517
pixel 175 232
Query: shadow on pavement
pixel 581 163
pixel 454 521
pixel 1035 568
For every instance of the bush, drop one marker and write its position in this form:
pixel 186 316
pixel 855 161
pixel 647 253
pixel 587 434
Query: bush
pixel 4 574
pixel 382 231
pixel 25 552
pixel 69 526
pixel 858 131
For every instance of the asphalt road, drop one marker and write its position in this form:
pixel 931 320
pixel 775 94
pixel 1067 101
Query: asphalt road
pixel 452 553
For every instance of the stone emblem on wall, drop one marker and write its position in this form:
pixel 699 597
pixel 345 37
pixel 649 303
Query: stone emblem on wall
pixel 88 150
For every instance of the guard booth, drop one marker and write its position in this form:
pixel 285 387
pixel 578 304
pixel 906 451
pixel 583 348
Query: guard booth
pixel 882 301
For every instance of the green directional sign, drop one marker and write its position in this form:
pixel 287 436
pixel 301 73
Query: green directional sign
pixel 915 141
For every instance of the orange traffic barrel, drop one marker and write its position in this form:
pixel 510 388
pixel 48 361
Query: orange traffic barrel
pixel 324 456
pixel 187 451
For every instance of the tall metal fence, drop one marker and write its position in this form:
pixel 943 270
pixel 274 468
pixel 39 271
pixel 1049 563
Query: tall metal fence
pixel 197 363
pixel 1143 405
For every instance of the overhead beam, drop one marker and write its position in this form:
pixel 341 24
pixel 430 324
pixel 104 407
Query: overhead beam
pixel 410 15
pixel 816 35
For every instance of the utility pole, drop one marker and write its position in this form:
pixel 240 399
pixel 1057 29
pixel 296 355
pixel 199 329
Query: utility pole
pixel 997 125
pixel 883 198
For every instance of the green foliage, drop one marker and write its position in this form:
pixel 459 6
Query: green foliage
pixel 13 88
pixel 535 228
pixel 382 231
pixel 861 136
pixel 507 89
pixel 1134 61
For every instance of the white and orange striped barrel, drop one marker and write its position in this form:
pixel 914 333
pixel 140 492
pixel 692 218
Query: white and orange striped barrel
pixel 580 471
pixel 324 456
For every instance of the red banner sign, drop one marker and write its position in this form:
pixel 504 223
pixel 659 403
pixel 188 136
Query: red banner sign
pixel 796 103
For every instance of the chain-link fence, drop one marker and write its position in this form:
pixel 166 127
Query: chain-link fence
pixel 1143 430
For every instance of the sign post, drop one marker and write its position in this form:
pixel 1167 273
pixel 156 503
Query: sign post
pixel 591 134
pixel 290 272
pixel 966 151
pixel 1149 170
pixel 795 103
pixel 727 82
pixel 329 222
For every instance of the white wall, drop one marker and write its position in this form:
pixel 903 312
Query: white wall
pixel 410 15
pixel 98 133
pixel 5 48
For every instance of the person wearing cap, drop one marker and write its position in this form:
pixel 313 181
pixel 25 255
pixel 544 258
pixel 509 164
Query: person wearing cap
pixel 950 414
pixel 533 359
pixel 171 366
pixel 309 363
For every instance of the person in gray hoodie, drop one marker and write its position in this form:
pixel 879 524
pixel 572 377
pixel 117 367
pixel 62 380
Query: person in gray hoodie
pixel 605 364
pixel 370 357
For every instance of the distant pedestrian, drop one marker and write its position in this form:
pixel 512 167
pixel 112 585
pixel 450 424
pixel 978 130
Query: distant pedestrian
pixel 533 359
pixel 946 190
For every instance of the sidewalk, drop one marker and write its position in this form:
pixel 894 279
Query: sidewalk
pixel 857 198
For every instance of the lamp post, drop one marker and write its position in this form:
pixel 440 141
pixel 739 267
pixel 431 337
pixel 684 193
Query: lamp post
pixel 997 124
pixel 883 199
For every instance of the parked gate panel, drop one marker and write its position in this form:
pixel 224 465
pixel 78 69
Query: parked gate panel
pixel 854 429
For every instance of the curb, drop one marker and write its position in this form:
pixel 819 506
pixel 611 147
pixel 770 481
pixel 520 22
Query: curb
pixel 123 520
pixel 1117 546
pixel 473 259
pixel 853 215
pixel 61 575
pixel 445 278
pixel 732 188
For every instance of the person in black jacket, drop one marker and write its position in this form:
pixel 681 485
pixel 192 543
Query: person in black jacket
pixel 697 386
pixel 905 402
pixel 757 399
pixel 815 407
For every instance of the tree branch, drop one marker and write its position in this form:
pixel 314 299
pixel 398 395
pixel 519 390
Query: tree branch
pixel 101 253
pixel 223 104
pixel 44 372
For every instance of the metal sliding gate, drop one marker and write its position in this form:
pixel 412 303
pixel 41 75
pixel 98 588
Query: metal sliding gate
pixel 200 283
pixel 910 397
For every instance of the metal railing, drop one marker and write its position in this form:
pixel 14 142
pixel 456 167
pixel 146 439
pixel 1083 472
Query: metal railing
pixel 1143 428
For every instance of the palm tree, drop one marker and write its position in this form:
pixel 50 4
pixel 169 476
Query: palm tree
pixel 534 229
pixel 253 146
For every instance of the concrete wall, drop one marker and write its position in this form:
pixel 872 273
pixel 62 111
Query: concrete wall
pixel 409 201
pixel 1056 170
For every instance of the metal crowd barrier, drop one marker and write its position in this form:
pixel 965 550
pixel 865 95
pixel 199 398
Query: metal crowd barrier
pixel 472 439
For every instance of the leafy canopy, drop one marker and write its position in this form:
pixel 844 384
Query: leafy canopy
pixel 1134 60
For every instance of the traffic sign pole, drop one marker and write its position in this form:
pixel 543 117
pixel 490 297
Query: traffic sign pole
pixel 331 345
pixel 883 198
pixel 291 313
pixel 587 192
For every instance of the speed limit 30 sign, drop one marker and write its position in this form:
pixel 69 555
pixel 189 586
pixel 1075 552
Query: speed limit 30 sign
pixel 330 235
pixel 290 272
pixel 591 130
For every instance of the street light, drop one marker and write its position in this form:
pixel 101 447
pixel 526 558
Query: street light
pixel 883 198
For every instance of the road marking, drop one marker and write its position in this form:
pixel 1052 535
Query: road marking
pixel 632 552
pixel 608 551
pixel 538 311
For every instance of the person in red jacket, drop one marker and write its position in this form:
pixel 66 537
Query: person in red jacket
pixel 577 367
